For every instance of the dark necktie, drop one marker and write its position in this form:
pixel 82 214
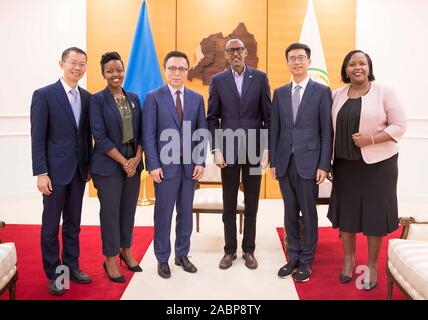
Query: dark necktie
pixel 179 108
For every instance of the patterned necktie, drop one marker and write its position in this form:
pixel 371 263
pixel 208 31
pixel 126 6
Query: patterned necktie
pixel 295 101
pixel 75 105
pixel 179 108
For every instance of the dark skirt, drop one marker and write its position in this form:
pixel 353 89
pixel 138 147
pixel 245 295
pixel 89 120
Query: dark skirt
pixel 364 196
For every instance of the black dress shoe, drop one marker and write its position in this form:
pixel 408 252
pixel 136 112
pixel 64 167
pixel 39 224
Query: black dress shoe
pixel 79 277
pixel 344 278
pixel 186 264
pixel 54 290
pixel 288 269
pixel 163 270
pixel 303 272
pixel 120 279
pixel 136 268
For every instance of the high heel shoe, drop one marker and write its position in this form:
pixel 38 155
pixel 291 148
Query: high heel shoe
pixel 369 285
pixel 120 279
pixel 136 268
pixel 344 278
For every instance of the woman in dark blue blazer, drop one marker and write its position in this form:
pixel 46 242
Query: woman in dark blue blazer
pixel 115 119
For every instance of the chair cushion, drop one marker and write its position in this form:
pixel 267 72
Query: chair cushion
pixel 408 263
pixel 212 198
pixel 7 262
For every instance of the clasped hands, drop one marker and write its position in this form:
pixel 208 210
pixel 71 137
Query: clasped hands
pixel 130 166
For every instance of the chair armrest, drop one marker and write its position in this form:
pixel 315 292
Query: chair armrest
pixel 406 222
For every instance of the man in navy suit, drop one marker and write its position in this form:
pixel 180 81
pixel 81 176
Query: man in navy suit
pixel 301 147
pixel 61 144
pixel 169 111
pixel 239 102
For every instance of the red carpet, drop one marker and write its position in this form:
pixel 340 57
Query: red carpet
pixel 32 283
pixel 324 283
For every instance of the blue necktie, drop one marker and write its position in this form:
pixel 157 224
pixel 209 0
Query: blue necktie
pixel 295 101
pixel 75 105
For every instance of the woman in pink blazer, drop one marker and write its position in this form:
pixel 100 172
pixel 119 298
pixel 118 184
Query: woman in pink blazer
pixel 368 121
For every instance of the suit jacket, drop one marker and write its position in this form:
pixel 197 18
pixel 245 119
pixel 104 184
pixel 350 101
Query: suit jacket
pixel 58 145
pixel 227 110
pixel 107 130
pixel 159 114
pixel 381 110
pixel 311 134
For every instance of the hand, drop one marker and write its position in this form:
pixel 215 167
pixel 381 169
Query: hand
pixel 157 175
pixel 219 159
pixel 131 165
pixel 330 176
pixel 321 175
pixel 273 173
pixel 44 185
pixel 265 159
pixel 361 140
pixel 198 172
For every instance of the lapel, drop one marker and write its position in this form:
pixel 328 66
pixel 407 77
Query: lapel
pixel 84 106
pixel 230 80
pixel 248 76
pixel 111 103
pixel 305 99
pixel 288 109
pixel 64 102
pixel 187 105
pixel 169 102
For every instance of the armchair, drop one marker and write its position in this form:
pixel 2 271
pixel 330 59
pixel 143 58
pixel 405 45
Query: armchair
pixel 8 268
pixel 408 259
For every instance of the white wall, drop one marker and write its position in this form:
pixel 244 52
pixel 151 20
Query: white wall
pixel 33 35
pixel 394 33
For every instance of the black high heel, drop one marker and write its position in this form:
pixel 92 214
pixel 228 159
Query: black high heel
pixel 136 268
pixel 120 279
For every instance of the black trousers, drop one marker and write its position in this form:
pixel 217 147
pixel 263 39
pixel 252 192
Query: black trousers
pixel 118 196
pixel 230 176
pixel 66 201
pixel 299 195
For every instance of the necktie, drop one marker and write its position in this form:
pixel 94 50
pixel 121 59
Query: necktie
pixel 295 101
pixel 75 105
pixel 179 108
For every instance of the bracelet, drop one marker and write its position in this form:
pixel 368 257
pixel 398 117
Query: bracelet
pixel 372 139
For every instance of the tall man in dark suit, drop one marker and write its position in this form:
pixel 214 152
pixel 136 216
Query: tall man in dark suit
pixel 301 147
pixel 169 112
pixel 239 100
pixel 61 145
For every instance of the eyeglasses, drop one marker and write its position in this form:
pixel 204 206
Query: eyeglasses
pixel 174 69
pixel 74 64
pixel 231 51
pixel 300 58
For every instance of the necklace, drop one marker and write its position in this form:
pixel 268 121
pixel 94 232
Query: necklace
pixel 122 104
pixel 358 93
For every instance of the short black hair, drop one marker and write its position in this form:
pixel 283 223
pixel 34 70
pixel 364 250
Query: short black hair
pixel 67 51
pixel 109 56
pixel 344 76
pixel 175 54
pixel 298 45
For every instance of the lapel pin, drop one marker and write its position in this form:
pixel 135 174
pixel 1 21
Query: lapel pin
pixel 250 76
pixel 133 105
